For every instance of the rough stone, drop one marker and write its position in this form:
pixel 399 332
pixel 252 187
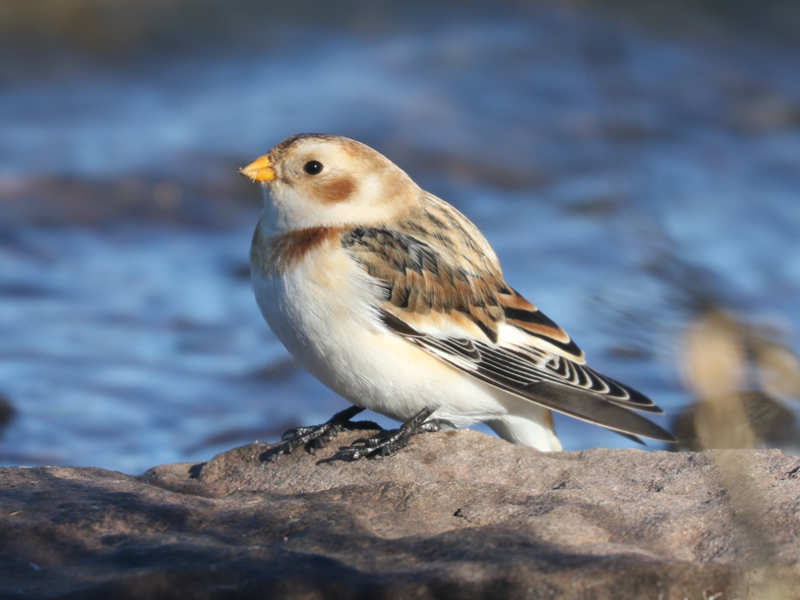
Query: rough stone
pixel 454 515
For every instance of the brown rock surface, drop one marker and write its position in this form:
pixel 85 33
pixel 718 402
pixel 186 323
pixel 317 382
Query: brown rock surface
pixel 456 514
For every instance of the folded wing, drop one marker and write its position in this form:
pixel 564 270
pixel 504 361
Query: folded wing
pixel 443 295
pixel 512 373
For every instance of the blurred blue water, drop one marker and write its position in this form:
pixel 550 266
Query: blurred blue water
pixel 617 176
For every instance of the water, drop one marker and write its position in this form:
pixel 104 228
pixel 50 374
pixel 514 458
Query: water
pixel 622 179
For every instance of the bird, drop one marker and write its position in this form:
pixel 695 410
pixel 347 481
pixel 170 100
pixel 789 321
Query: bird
pixel 394 299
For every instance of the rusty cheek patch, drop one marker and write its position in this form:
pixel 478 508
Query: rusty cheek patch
pixel 337 190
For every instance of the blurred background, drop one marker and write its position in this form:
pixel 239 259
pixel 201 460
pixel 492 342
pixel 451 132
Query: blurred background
pixel 635 164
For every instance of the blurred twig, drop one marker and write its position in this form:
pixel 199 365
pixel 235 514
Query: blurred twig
pixel 716 370
pixel 741 379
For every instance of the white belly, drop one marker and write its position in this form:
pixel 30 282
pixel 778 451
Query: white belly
pixel 322 312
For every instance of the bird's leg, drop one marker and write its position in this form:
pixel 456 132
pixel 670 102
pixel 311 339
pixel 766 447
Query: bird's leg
pixel 315 437
pixel 388 441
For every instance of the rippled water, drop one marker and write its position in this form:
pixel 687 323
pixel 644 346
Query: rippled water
pixel 622 179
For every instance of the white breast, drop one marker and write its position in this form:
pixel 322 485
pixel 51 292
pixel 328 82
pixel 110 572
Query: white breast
pixel 316 307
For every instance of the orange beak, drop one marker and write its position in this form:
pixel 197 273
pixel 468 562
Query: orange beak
pixel 259 170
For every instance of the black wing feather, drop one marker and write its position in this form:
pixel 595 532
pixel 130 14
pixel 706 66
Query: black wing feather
pixel 568 388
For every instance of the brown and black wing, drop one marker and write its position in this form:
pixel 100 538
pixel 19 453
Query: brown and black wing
pixel 513 373
pixel 457 310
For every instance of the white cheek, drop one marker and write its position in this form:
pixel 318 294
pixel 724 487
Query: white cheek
pixel 367 205
pixel 288 210
pixel 271 218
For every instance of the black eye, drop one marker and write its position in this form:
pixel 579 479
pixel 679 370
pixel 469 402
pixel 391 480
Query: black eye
pixel 313 167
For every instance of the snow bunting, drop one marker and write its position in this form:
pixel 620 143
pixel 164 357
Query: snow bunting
pixel 395 300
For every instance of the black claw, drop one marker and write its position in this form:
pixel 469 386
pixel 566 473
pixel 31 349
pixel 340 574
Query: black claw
pixel 317 436
pixel 388 441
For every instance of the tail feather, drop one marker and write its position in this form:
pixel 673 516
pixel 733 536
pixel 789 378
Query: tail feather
pixel 527 432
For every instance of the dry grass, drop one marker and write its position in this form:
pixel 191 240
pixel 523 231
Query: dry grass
pixel 720 356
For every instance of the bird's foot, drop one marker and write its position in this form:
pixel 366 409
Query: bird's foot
pixel 388 441
pixel 315 437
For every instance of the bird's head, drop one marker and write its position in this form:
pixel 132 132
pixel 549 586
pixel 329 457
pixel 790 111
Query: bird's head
pixel 317 180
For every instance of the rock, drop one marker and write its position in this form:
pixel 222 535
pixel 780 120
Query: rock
pixel 457 514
